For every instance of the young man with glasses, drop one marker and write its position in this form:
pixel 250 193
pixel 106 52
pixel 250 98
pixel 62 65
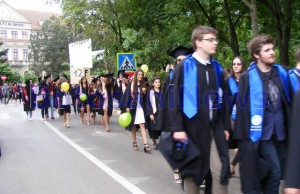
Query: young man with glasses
pixel 201 116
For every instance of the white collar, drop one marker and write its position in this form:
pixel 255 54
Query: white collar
pixel 202 61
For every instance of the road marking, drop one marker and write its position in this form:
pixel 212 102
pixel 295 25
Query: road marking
pixel 90 149
pixel 124 182
pixel 137 180
pixel 107 162
pixel 24 115
pixel 4 116
pixel 76 140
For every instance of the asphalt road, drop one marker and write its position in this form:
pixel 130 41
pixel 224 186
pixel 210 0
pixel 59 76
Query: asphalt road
pixel 43 157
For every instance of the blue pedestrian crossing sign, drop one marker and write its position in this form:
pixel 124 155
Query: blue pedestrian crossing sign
pixel 125 61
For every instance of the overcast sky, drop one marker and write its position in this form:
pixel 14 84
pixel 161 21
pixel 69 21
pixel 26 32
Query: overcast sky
pixel 39 5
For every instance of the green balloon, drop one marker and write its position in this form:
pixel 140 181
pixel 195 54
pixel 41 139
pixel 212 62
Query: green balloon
pixel 125 119
pixel 83 97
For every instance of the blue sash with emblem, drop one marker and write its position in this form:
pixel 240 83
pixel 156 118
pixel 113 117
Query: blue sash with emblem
pixel 257 99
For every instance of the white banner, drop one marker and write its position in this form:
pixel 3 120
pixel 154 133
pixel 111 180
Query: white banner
pixel 80 54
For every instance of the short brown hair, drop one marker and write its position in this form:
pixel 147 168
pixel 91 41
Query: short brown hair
pixel 199 31
pixel 297 55
pixel 255 45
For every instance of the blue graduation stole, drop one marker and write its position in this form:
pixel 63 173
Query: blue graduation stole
pixel 256 101
pixel 171 74
pixel 190 87
pixel 234 89
pixel 294 80
pixel 233 86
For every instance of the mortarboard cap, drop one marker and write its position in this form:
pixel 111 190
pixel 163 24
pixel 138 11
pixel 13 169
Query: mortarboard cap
pixel 125 76
pixel 63 75
pixel 56 79
pixel 177 154
pixel 121 72
pixel 27 81
pixel 189 51
pixel 109 75
pixel 96 79
pixel 178 51
pixel 47 76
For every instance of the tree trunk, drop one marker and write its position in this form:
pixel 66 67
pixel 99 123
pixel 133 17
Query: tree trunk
pixel 253 12
pixel 282 15
pixel 234 40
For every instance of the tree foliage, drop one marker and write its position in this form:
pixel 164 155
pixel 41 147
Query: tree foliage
pixel 49 48
pixel 6 70
pixel 151 28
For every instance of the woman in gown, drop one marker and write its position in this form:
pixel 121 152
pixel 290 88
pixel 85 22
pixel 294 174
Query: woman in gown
pixel 135 104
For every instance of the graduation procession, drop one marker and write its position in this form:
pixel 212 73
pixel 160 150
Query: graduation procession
pixel 201 128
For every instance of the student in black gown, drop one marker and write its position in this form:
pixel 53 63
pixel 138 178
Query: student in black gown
pixel 179 54
pixel 262 120
pixel 292 173
pixel 152 110
pixel 122 106
pixel 201 116
pixel 28 98
pixel 118 86
pixel 294 74
pixel 106 90
pixel 135 102
pixel 238 67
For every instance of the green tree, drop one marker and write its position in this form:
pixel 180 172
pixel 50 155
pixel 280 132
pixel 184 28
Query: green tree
pixel 49 48
pixel 155 26
pixel 5 69
pixel 11 75
pixel 282 14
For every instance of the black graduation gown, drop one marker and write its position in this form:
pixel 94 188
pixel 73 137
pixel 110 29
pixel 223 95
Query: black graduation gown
pixel 118 90
pixel 131 103
pixel 167 90
pixel 199 128
pixel 292 174
pixel 230 99
pixel 30 104
pixel 153 130
pixel 252 167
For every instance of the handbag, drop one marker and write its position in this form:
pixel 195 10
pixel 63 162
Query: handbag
pixel 40 98
pixel 67 99
pixel 176 153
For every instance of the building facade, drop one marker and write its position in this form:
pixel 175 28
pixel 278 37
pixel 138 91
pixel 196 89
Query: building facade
pixel 16 28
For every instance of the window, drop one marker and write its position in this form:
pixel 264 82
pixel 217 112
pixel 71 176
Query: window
pixel 25 54
pixel 25 35
pixel 14 34
pixel 3 34
pixel 15 54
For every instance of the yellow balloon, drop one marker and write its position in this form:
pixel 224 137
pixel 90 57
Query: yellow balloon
pixel 65 86
pixel 144 68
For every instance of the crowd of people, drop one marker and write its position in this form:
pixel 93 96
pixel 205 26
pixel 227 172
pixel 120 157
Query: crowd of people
pixel 11 92
pixel 248 108
pixel 251 109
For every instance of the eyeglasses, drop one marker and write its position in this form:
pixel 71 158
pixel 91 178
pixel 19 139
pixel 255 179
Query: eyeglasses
pixel 210 39
pixel 237 64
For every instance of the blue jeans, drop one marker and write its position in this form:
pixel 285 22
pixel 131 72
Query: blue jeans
pixel 51 106
pixel 274 153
